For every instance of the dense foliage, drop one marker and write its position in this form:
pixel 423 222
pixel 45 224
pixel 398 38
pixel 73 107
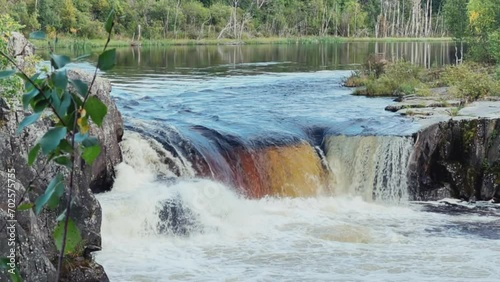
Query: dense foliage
pixel 233 18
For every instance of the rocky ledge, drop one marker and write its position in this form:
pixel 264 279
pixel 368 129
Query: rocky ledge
pixel 457 150
pixel 36 254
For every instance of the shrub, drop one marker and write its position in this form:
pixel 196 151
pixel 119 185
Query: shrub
pixel 394 79
pixel 471 81
pixel 356 80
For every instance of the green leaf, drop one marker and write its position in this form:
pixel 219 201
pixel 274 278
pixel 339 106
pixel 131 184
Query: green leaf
pixel 7 73
pixel 108 26
pixel 25 206
pixel 63 160
pixel 107 60
pixel 90 141
pixel 79 138
pixel 27 121
pixel 81 87
pixel 65 146
pixel 42 200
pixel 91 153
pixel 73 237
pixel 33 154
pixel 37 35
pixel 59 61
pixel 60 79
pixel 28 96
pixel 96 109
pixel 56 196
pixel 52 138
pixel 40 105
pixel 62 108
pixel 54 98
pixel 5 264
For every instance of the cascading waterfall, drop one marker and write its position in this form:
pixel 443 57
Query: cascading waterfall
pixel 374 167
pixel 180 227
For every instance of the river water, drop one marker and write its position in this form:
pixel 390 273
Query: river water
pixel 253 163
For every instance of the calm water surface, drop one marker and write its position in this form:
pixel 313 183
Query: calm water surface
pixel 257 90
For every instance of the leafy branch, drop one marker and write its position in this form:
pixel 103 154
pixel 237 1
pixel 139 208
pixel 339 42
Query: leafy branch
pixel 68 139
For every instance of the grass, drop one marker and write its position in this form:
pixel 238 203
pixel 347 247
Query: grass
pixel 467 81
pixel 71 42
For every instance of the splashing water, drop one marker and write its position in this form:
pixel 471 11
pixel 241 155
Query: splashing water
pixel 231 238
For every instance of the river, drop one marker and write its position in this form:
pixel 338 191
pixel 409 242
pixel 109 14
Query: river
pixel 253 163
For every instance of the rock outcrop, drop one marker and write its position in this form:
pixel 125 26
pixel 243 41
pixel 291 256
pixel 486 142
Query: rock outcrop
pixel 458 158
pixel 36 254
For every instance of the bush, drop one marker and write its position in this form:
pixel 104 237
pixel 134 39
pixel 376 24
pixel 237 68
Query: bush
pixel 471 81
pixel 356 80
pixel 404 71
pixel 388 79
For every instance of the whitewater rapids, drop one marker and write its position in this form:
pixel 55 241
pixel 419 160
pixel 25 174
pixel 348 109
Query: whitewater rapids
pixel 324 238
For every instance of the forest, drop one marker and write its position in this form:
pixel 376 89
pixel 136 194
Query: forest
pixel 239 19
pixel 475 21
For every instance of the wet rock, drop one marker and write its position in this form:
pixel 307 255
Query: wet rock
pixel 457 158
pixel 175 218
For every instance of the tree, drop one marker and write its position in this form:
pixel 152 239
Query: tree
pixel 484 21
pixel 455 16
pixel 68 15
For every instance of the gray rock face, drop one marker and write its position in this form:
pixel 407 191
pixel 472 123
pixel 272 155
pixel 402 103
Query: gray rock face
pixel 36 254
pixel 458 158
pixel 20 47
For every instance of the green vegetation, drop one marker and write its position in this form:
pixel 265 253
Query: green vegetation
pixel 233 19
pixel 476 22
pixel 10 86
pixel 467 81
pixel 381 78
pixel 65 142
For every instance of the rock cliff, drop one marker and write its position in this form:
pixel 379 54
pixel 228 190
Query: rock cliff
pixel 36 254
pixel 458 158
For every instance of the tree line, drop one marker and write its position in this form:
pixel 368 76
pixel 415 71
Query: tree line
pixel 238 19
pixel 243 19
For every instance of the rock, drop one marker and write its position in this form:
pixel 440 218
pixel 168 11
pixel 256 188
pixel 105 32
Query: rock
pixel 20 47
pixel 109 135
pixel 457 158
pixel 175 218
pixel 36 254
pixel 422 102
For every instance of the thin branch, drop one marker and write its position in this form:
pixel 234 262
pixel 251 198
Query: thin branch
pixel 34 85
pixel 71 179
pixel 95 72
pixel 70 195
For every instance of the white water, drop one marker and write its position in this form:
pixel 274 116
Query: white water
pixel 299 239
pixel 370 166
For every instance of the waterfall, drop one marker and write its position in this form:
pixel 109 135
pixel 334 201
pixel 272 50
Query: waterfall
pixel 374 167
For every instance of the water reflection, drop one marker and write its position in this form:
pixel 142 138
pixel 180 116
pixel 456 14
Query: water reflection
pixel 220 59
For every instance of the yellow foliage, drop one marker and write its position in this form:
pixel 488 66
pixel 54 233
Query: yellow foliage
pixel 473 16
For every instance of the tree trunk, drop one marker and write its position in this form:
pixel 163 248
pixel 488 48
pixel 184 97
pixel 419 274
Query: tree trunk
pixel 175 19
pixel 430 19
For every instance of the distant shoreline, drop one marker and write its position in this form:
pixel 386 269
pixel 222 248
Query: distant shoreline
pixel 68 42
